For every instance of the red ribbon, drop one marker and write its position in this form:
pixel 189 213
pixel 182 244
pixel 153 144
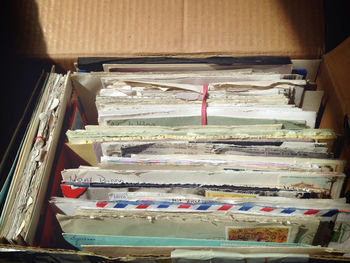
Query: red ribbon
pixel 204 105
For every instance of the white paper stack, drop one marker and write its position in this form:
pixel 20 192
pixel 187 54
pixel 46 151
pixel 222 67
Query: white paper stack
pixel 202 159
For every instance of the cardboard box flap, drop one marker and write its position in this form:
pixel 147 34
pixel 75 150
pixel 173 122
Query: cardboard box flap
pixel 83 28
pixel 337 63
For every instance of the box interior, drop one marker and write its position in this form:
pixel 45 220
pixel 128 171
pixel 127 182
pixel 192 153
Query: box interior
pixel 87 86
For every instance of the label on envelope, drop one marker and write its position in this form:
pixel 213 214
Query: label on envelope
pixel 278 234
pixel 216 194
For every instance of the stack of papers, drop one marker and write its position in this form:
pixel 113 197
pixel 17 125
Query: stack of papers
pixel 208 160
pixel 232 98
pixel 31 172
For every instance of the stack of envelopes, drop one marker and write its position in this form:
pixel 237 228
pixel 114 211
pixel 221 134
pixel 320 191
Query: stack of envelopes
pixel 222 160
pixel 27 181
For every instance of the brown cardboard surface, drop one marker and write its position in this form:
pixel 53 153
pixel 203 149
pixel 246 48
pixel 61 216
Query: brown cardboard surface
pixel 64 30
pixel 333 78
pixel 337 63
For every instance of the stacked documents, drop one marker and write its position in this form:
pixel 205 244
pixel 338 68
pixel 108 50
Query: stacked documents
pixel 225 160
pixel 229 97
pixel 31 171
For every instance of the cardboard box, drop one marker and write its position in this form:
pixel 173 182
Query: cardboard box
pixel 62 31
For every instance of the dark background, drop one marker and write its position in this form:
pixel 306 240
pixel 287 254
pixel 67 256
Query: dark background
pixel 19 75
